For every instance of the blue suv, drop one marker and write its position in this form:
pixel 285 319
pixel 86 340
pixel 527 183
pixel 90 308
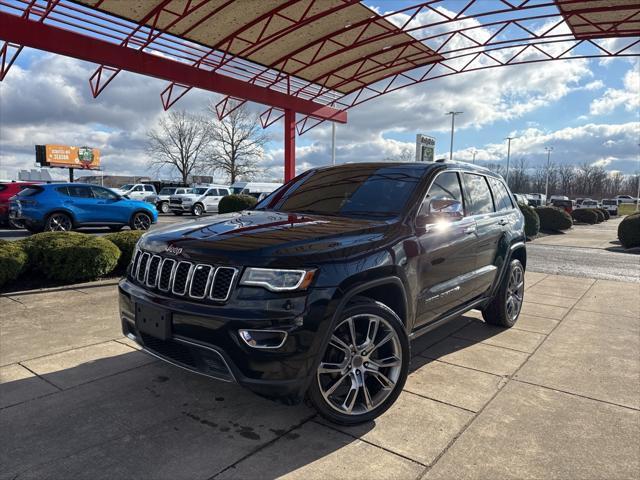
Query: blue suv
pixel 65 206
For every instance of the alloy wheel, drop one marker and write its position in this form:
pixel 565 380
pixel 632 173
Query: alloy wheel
pixel 141 222
pixel 59 222
pixel 197 210
pixel 361 365
pixel 164 207
pixel 515 292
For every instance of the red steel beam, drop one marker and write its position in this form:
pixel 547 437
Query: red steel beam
pixel 64 42
pixel 289 144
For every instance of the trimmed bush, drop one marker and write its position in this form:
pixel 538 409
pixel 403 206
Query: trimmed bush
pixel 71 257
pixel 552 219
pixel 126 243
pixel 531 220
pixel 236 203
pixel 13 260
pixel 629 231
pixel 605 212
pixel 585 215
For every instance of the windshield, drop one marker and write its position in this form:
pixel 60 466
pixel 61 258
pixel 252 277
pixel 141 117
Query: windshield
pixel 589 202
pixel 167 191
pixel 237 190
pixel 127 186
pixel 350 190
pixel 609 202
pixel 30 191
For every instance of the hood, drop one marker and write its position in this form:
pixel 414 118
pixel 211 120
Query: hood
pixel 269 238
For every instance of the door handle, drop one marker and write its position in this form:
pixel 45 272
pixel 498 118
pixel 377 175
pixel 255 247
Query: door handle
pixel 470 230
pixel 503 221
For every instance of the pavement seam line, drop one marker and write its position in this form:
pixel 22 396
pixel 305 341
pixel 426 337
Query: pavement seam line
pixel 490 344
pixel 463 366
pixel 265 445
pixel 335 429
pixel 41 377
pixel 576 394
pixel 438 401
pixel 508 379
pixel 61 351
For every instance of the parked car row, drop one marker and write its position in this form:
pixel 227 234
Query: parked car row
pixel 563 202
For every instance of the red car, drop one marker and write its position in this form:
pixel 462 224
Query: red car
pixel 8 190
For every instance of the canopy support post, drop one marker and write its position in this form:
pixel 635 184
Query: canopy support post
pixel 289 144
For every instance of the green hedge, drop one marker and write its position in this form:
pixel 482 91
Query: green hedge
pixel 126 242
pixel 236 203
pixel 70 256
pixel 552 219
pixel 585 215
pixel 605 212
pixel 531 220
pixel 599 214
pixel 13 260
pixel 629 231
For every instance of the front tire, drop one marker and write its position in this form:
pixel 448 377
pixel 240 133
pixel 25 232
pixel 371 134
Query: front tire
pixel 164 207
pixel 505 307
pixel 58 222
pixel 140 221
pixel 197 209
pixel 364 367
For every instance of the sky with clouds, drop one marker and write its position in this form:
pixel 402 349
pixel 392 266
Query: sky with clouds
pixel 588 110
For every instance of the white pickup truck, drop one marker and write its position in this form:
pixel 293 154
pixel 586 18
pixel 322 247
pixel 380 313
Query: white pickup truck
pixel 199 200
pixel 136 191
pixel 162 203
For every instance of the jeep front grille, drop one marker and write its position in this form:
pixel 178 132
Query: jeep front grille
pixel 183 278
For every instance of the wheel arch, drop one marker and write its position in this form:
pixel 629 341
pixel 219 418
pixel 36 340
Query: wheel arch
pixel 66 211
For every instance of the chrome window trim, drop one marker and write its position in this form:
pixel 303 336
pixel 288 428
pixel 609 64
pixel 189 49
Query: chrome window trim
pixel 187 281
pixel 169 285
pixel 155 280
pixel 208 284
pixel 213 282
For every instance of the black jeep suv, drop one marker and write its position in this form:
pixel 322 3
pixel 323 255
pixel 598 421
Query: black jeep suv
pixel 319 289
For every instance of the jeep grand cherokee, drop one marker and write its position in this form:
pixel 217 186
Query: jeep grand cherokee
pixel 318 290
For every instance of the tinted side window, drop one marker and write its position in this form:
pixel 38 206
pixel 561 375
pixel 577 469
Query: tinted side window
pixel 148 188
pixel 479 201
pixel 103 193
pixel 138 188
pixel 82 192
pixel 500 195
pixel 63 190
pixel 446 186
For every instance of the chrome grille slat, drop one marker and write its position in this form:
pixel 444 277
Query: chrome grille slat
pixel 183 278
pixel 179 286
pixel 196 279
pixel 141 273
pixel 153 270
pixel 222 283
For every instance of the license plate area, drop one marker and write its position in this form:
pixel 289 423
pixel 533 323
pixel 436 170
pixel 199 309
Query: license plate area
pixel 153 321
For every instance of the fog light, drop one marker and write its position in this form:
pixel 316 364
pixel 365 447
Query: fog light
pixel 263 338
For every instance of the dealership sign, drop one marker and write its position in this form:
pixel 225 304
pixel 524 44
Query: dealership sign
pixel 64 156
pixel 425 148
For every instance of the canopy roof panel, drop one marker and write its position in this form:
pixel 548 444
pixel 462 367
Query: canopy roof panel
pixel 275 33
pixel 601 18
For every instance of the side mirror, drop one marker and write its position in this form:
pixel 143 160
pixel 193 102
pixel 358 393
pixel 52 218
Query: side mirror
pixel 440 210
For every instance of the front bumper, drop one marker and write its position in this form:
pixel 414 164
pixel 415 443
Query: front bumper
pixel 204 337
pixel 181 207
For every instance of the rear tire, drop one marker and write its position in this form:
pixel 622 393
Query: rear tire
pixel 58 222
pixel 140 221
pixel 368 371
pixel 505 307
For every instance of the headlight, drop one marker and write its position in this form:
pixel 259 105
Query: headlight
pixel 277 280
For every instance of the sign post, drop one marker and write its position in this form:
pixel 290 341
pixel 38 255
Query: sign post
pixel 425 148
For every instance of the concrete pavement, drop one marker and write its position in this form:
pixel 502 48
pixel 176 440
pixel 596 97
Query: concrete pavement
pixel 557 396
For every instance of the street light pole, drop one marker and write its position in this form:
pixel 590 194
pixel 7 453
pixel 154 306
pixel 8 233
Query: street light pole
pixel 474 156
pixel 333 143
pixel 508 157
pixel 546 188
pixel 453 123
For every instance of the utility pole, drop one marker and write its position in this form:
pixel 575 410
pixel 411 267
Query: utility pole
pixel 333 143
pixel 546 188
pixel 474 156
pixel 453 123
pixel 508 139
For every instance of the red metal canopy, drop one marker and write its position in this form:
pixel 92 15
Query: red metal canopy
pixel 317 58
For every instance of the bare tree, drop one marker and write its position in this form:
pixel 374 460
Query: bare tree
pixel 566 177
pixel 179 142
pixel 238 143
pixel 405 155
pixel 518 178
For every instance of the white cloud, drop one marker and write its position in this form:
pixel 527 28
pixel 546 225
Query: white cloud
pixel 613 98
